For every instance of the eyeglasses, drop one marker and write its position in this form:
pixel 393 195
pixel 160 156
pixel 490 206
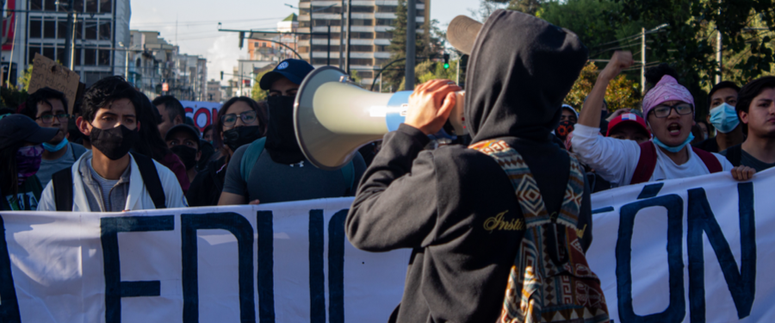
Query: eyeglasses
pixel 48 118
pixel 230 119
pixel 662 111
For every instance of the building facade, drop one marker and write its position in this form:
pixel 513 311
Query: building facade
pixel 40 26
pixel 270 50
pixel 371 27
pixel 213 91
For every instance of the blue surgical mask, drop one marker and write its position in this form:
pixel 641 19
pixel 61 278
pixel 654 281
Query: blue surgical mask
pixel 724 118
pixel 676 148
pixel 54 148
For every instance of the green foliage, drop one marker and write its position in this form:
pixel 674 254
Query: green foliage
pixel 256 93
pixel 621 92
pixel 24 80
pixel 394 75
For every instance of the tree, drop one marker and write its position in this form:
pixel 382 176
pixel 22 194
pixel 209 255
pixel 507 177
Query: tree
pixel 621 92
pixel 256 93
pixel 394 76
pixel 24 80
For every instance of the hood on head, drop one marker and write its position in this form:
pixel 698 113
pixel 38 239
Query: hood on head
pixel 520 70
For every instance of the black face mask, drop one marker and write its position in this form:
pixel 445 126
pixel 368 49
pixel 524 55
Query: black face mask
pixel 239 136
pixel 114 143
pixel 186 154
pixel 280 137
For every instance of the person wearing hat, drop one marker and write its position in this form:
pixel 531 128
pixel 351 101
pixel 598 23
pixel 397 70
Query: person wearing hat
pixel 273 168
pixel 629 126
pixel 472 227
pixel 668 109
pixel 183 141
pixel 48 107
pixel 20 155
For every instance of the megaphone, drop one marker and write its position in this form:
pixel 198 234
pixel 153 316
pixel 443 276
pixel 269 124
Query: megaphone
pixel 333 117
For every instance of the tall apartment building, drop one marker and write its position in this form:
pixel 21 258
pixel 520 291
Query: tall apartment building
pixel 371 27
pixel 39 26
pixel 264 50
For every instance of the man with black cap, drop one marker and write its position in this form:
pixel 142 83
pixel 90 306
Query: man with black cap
pixel 183 140
pixel 499 230
pixel 273 168
pixel 20 156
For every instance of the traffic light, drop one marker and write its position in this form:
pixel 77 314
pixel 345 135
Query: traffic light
pixel 446 61
pixel 221 75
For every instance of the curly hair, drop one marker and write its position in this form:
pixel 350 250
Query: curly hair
pixel 106 91
pixel 44 95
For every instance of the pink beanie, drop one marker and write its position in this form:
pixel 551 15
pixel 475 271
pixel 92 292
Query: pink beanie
pixel 667 89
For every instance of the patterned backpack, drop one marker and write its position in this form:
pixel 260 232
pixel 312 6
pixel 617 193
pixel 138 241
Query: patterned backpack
pixel 550 280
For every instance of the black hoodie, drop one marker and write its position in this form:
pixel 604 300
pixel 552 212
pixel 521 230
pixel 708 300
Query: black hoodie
pixel 437 202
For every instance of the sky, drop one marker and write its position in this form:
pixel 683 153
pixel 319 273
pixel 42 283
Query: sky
pixel 196 30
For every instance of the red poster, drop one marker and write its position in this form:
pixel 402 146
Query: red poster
pixel 9 24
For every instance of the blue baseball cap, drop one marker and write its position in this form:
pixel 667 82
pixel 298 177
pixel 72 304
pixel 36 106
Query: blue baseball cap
pixel 292 69
pixel 15 128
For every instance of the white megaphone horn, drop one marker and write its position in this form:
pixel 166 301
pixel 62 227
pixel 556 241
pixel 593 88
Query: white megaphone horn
pixel 333 117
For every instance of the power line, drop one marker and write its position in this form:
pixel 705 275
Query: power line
pixel 201 22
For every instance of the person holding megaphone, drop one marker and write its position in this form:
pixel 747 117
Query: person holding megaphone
pixel 505 217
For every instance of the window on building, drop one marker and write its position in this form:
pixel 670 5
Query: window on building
pixel 33 49
pixel 61 56
pixel 106 6
pixel 90 56
pixel 361 61
pixel 91 5
pixel 381 48
pixel 35 28
pixel 361 22
pixel 363 8
pixel 78 5
pixel 384 35
pixel 79 30
pixel 91 29
pixel 386 8
pixel 36 4
pixel 50 5
pixel 49 52
pixel 105 30
pixel 357 35
pixel 304 24
pixel 139 63
pixel 49 29
pixel 62 29
pixel 361 48
pixel 365 74
pixel 385 22
pixel 104 57
pixel 78 56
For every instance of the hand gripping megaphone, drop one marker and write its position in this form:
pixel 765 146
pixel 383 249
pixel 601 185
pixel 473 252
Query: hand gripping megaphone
pixel 333 117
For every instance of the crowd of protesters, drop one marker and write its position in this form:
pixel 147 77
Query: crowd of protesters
pixel 119 151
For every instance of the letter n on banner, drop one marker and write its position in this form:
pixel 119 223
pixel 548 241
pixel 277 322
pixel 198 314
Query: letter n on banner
pixel 115 289
pixel 336 240
pixel 741 283
pixel 243 231
pixel 9 308
pixel 676 311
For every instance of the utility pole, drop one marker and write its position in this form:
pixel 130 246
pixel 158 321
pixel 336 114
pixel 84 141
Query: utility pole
pixel 341 35
pixel 347 44
pixel 69 58
pixel 643 60
pixel 457 73
pixel 411 24
pixel 719 46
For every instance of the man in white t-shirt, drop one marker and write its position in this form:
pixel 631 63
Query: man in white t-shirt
pixel 669 110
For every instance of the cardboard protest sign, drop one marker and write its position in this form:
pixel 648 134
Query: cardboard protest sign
pixel 47 73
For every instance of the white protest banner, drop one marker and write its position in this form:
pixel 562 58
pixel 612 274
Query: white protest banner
pixel 285 262
pixel 689 250
pixel 203 113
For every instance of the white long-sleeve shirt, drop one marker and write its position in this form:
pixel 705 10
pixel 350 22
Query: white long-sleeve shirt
pixel 616 159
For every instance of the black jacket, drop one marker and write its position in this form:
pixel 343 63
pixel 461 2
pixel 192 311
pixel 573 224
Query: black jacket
pixel 206 188
pixel 440 203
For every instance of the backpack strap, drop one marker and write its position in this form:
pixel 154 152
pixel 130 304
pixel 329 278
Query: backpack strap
pixel 151 180
pixel 710 160
pixel 735 154
pixel 646 163
pixel 250 157
pixel 62 183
